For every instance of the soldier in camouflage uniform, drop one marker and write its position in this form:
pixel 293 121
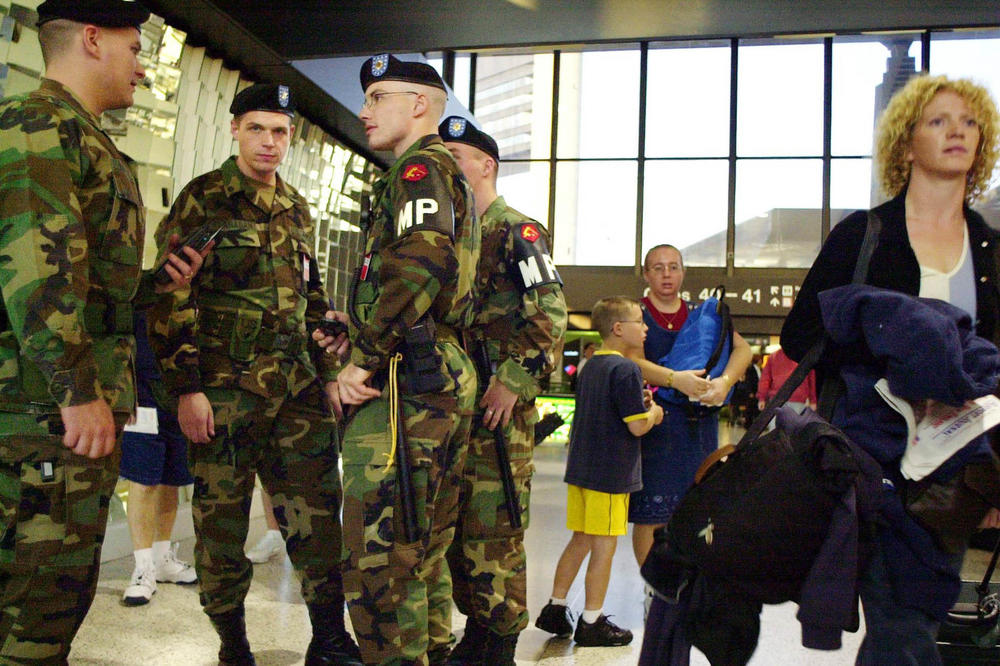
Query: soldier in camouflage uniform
pixel 411 302
pixel 72 226
pixel 521 321
pixel 252 388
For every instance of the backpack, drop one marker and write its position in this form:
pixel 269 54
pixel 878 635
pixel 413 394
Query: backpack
pixel 758 519
pixel 704 341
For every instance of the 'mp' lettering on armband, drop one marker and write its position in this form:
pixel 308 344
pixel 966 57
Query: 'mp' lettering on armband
pixel 422 202
pixel 533 265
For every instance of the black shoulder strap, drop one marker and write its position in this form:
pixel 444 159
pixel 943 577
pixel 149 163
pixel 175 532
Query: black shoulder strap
pixel 831 389
pixel 726 332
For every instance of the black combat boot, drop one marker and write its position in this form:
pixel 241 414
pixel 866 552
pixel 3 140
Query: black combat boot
pixel 500 649
pixel 331 645
pixel 232 629
pixel 469 651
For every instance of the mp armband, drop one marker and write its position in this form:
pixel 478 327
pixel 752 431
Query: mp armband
pixel 533 265
pixel 423 203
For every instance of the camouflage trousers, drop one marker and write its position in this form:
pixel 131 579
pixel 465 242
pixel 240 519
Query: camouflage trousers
pixel 55 512
pixel 487 558
pixel 399 593
pixel 290 443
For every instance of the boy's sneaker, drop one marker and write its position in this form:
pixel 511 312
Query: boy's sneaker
pixel 172 570
pixel 270 544
pixel 556 620
pixel 603 633
pixel 141 588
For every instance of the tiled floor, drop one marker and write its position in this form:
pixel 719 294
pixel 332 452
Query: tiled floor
pixel 172 629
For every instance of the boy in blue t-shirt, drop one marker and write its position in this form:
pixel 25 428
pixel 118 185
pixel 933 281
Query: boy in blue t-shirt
pixel 604 466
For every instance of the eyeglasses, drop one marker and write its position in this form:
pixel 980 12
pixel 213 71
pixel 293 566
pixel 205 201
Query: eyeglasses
pixel 374 98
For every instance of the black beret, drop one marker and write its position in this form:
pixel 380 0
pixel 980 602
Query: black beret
pixel 387 67
pixel 263 97
pixel 460 130
pixel 104 13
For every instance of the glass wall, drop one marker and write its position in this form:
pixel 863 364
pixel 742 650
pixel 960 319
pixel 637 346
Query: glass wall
pixel 514 106
pixel 687 125
pixel 741 152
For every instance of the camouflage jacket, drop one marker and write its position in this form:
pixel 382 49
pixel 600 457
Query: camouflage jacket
pixel 421 250
pixel 71 238
pixel 522 314
pixel 243 321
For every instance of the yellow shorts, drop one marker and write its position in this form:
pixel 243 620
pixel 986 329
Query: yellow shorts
pixel 597 513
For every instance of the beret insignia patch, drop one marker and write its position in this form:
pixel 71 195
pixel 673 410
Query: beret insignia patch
pixel 456 127
pixel 379 64
pixel 283 96
pixel 415 172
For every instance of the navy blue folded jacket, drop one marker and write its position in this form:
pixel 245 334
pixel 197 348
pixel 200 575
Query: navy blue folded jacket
pixel 926 349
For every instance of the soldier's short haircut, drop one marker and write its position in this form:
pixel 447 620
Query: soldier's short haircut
pixel 55 37
pixel 438 100
pixel 610 310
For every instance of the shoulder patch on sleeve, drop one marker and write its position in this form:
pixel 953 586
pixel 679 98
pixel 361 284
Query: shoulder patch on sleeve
pixel 530 233
pixel 533 265
pixel 414 172
pixel 422 200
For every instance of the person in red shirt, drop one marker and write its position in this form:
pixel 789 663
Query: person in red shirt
pixel 776 371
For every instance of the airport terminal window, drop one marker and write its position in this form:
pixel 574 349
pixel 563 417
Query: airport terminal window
pixel 598 104
pixel 463 72
pixel 851 186
pixel 779 114
pixel 595 213
pixel 778 205
pixel 685 162
pixel 780 100
pixel 525 186
pixel 687 100
pixel 514 103
pixel 866 71
pixel 685 204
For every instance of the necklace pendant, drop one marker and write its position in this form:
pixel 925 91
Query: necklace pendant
pixel 670 325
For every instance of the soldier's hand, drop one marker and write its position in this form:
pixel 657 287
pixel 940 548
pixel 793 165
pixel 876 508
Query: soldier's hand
pixel 333 395
pixel 340 344
pixel 181 272
pixel 499 402
pixel 352 387
pixel 194 413
pixel 90 428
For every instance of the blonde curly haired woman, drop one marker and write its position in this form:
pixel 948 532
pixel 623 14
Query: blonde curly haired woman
pixel 936 150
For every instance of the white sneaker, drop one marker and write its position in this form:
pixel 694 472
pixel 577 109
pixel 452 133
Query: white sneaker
pixel 270 544
pixel 141 588
pixel 172 570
